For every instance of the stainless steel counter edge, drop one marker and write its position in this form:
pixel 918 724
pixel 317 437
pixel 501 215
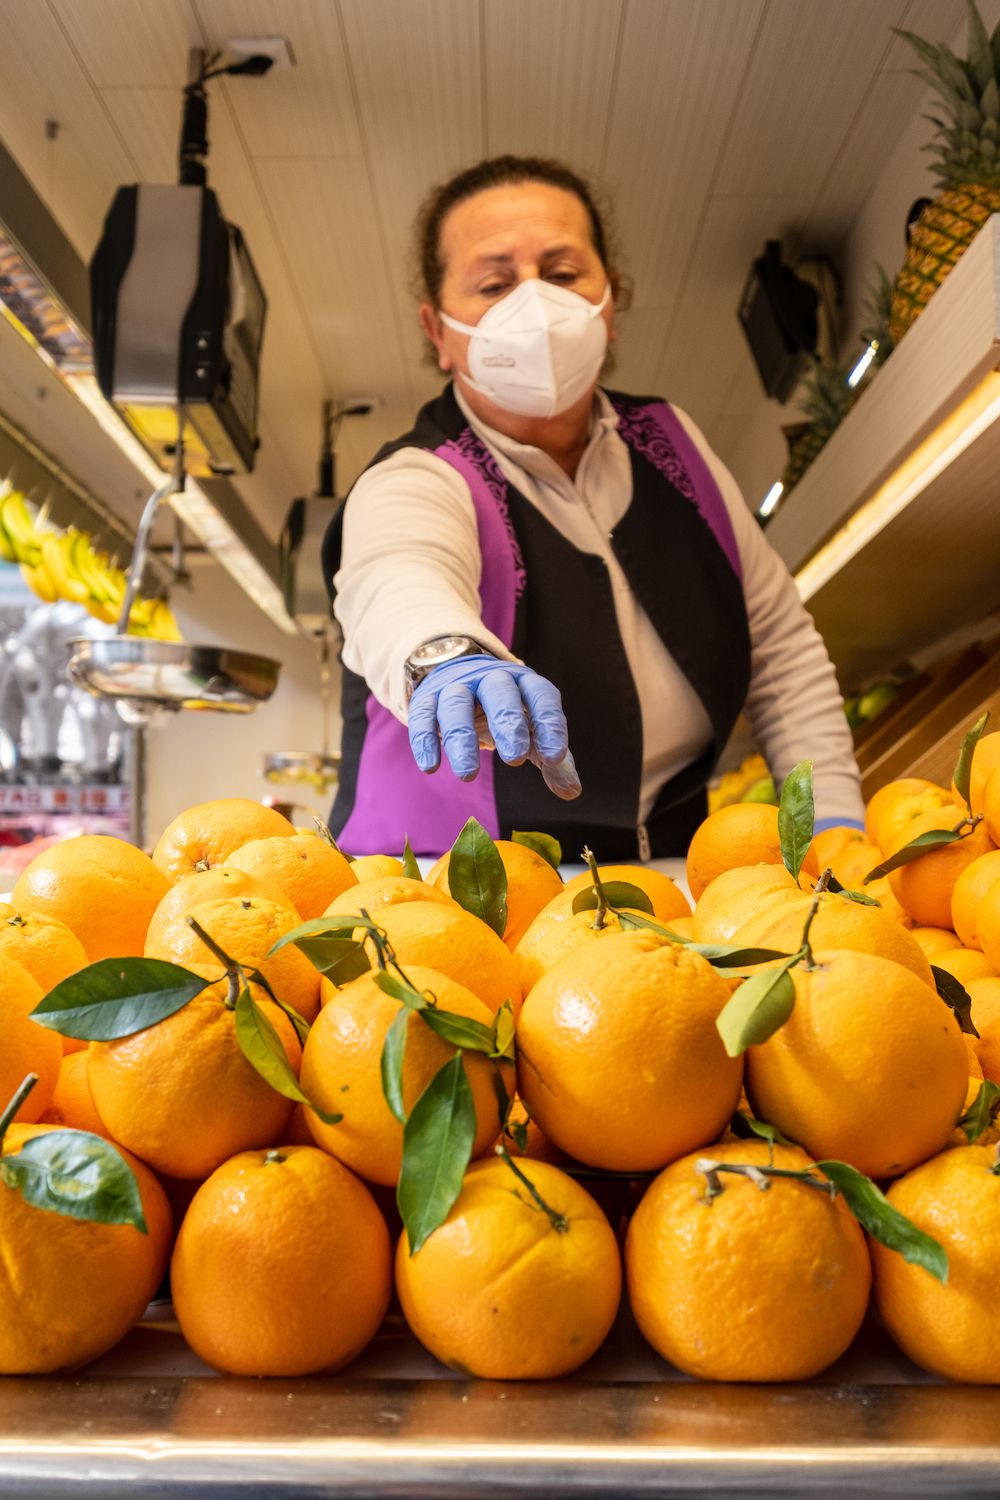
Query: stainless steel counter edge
pixel 199 1436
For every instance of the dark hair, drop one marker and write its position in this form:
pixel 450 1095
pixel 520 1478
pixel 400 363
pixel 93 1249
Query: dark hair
pixel 498 171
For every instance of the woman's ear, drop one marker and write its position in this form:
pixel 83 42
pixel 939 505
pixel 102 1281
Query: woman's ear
pixel 433 329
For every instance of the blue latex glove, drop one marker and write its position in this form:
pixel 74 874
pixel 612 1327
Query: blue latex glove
pixel 823 823
pixel 479 701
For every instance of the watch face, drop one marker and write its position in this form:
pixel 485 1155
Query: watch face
pixel 440 650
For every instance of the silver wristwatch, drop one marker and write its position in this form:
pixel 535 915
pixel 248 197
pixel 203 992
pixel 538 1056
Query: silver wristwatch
pixel 435 653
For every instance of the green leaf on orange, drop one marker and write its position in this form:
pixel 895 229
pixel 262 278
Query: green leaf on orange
pixel 543 843
pixel 117 997
pixel 925 843
pixel 75 1173
pixel 796 816
pixel 963 768
pixel 263 1049
pixel 617 893
pixel 477 879
pixel 410 867
pixel 956 997
pixel 981 1112
pixel 883 1222
pixel 760 1006
pixel 437 1146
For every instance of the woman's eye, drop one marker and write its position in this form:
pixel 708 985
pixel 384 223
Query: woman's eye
pixel 491 289
pixel 562 276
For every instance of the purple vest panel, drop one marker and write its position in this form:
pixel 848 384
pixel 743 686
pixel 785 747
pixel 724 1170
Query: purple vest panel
pixel 391 791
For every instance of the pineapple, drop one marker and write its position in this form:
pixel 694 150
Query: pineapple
pixel 967 145
pixel 827 400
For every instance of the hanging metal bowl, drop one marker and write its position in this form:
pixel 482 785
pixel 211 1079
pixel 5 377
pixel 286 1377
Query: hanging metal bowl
pixel 146 675
pixel 301 768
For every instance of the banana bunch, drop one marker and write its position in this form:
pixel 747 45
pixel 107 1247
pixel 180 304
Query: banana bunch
pixel 751 782
pixel 64 565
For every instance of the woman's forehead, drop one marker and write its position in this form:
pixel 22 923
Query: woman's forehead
pixel 511 219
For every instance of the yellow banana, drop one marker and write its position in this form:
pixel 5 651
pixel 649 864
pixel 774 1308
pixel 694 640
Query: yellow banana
pixel 20 528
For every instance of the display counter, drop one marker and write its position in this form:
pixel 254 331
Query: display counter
pixel 150 1420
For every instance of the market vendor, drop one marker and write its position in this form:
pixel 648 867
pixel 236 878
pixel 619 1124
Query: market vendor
pixel 540 563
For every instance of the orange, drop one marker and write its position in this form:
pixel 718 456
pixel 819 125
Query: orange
pixel 965 964
pixel 735 896
pixel 745 833
pixel 747 1285
pixel 683 926
pixel 535 1144
pixel 991 806
pixel 501 1293
pixel 830 842
pixel 667 900
pixel 72 1105
pixel 208 833
pixel 619 1059
pixel 194 890
pixel 181 1095
pixel 985 997
pixel 985 760
pixel 970 888
pixel 951 1330
pixel 341 1071
pixel 46 948
pixel 870 1067
pixel 457 944
pixel 976 1074
pixel 988 924
pixel 851 866
pixel 894 804
pixel 246 928
pixel 384 890
pixel 306 869
pixel 838 923
pixel 935 940
pixel 370 866
pixel 531 884
pixel 924 886
pixel 282 1265
pixel 25 1046
pixel 103 889
pixel 78 1286
pixel 556 931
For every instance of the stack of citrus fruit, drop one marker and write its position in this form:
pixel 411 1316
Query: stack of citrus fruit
pixel 269 1036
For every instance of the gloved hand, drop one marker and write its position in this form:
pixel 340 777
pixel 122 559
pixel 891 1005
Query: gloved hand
pixel 519 713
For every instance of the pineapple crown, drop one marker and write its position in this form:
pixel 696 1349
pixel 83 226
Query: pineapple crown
pixel 826 396
pixel 878 312
pixel 967 144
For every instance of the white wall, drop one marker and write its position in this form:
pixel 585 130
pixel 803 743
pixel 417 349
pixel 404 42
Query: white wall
pixel 195 757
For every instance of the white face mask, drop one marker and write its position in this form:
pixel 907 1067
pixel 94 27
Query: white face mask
pixel 538 350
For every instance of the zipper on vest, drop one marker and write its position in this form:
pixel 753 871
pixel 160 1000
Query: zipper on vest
pixel 645 848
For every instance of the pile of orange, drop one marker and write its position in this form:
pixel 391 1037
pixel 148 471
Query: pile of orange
pixel 603 1061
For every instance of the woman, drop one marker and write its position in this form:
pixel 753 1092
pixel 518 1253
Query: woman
pixel 541 556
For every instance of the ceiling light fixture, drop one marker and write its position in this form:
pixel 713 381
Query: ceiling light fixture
pixel 858 372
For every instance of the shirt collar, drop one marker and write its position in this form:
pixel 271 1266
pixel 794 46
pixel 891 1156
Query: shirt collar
pixel 603 421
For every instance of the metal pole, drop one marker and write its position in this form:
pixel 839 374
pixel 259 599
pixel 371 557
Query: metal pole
pixel 137 768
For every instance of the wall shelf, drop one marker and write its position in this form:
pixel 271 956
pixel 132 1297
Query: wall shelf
pixel 893 534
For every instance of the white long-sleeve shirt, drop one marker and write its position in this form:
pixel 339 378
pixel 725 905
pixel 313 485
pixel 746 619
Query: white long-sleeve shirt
pixel 411 568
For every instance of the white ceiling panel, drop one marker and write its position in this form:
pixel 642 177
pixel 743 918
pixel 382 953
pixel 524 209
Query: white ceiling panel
pixel 338 270
pixel 140 43
pixel 42 80
pixel 549 73
pixel 809 76
pixel 642 331
pixel 417 72
pixel 307 110
pixel 673 101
